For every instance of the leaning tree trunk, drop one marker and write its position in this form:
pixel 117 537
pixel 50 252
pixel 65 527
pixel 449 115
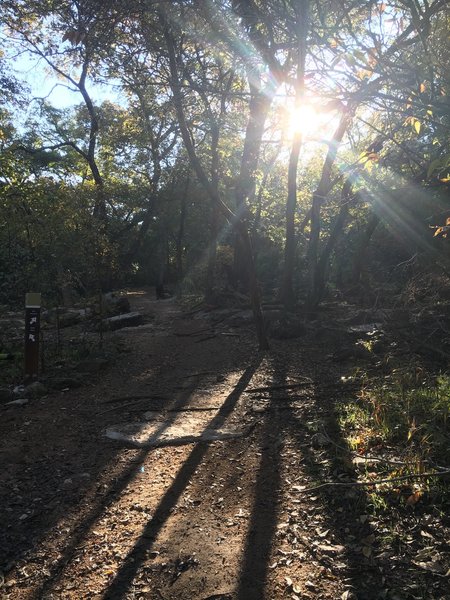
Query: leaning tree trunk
pixel 237 220
pixel 260 103
pixel 319 196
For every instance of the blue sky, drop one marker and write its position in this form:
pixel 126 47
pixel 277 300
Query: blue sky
pixel 45 84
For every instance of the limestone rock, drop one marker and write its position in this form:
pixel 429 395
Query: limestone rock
pixel 131 319
pixel 35 390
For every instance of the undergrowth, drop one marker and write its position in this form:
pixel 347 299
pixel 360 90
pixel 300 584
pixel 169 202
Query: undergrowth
pixel 403 418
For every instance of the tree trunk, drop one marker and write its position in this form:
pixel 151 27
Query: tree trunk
pixel 260 102
pixel 362 248
pixel 64 286
pixel 286 294
pixel 214 216
pixel 180 237
pixel 162 264
pixel 323 262
pixel 238 221
pixel 212 254
pixel 319 196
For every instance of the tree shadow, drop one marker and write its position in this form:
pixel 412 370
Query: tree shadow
pixel 108 496
pixel 38 472
pixel 342 515
pixel 127 572
pixel 317 436
pixel 263 521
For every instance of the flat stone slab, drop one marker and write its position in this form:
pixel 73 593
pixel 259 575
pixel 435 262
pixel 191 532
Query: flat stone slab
pixel 183 422
pixel 366 328
pixel 131 319
pixel 169 433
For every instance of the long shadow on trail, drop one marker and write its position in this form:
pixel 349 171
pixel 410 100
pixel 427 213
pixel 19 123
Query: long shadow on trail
pixel 342 511
pixel 263 522
pixel 107 498
pixel 37 476
pixel 124 577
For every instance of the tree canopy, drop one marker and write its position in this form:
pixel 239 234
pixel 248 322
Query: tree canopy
pixel 264 146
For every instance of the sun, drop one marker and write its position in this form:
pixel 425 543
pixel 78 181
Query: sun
pixel 304 119
pixel 312 122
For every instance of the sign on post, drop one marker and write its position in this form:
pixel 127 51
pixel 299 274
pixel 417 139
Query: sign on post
pixel 32 324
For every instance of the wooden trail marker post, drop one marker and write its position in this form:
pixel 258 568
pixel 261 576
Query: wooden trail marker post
pixel 32 325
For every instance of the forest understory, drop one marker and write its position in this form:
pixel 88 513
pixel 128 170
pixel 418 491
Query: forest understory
pixel 330 480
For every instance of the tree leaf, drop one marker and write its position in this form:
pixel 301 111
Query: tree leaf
pixel 434 166
pixel 414 498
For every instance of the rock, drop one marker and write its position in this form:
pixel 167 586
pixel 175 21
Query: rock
pixel 60 383
pixel 35 390
pixel 365 328
pixel 221 314
pixel 367 316
pixel 379 346
pixel 18 402
pixel 352 352
pixel 331 549
pixel 12 325
pixel 152 434
pixel 132 319
pixel 76 479
pixel 68 318
pixel 85 313
pixel 152 415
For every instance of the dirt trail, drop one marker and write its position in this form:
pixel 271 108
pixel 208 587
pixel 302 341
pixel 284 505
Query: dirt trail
pixel 87 517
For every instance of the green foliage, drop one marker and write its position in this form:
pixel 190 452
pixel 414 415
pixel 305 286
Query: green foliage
pixel 61 162
pixel 406 409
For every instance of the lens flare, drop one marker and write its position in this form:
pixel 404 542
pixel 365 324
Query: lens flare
pixel 313 123
pixel 304 119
